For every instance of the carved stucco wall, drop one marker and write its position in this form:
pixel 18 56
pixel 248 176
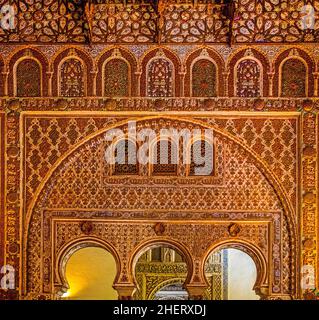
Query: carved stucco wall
pixel 238 192
pixel 38 133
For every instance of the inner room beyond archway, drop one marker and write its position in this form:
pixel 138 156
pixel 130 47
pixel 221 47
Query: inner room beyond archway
pixel 231 274
pixel 160 273
pixel 90 273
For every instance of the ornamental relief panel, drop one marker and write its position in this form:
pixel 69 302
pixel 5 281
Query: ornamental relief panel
pixel 72 78
pixel 76 184
pixel 274 140
pixel 28 81
pixel 161 71
pixel 47 139
pixel 240 179
pixel 265 180
pixel 2 191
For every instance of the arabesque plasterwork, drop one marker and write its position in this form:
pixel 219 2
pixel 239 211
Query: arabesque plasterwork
pixel 57 193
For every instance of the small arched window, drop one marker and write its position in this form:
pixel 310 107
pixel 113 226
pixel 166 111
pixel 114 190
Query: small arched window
pixel 202 159
pixel 72 75
pixel 293 78
pixel 165 158
pixel 204 77
pixel 125 158
pixel 28 78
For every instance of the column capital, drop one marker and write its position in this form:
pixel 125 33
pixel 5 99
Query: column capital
pixel 125 291
pixel 196 291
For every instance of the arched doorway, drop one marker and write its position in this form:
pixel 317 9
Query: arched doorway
pixel 160 273
pixel 86 270
pixel 231 274
pixel 234 272
pixel 242 274
pixel 90 273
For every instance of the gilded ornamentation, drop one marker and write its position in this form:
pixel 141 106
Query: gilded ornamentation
pixel 72 75
pixel 252 80
pixel 76 168
pixel 87 227
pixel 116 78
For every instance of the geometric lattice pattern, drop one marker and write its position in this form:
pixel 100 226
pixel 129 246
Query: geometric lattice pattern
pixel 273 140
pixel 160 78
pixel 204 79
pixel 116 78
pixel 255 20
pixel 90 71
pixel 248 189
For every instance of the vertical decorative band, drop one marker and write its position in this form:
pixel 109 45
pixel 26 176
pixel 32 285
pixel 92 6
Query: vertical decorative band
pixel 12 194
pixel 309 160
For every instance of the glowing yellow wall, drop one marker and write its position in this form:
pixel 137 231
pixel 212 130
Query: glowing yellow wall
pixel 90 273
pixel 242 275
